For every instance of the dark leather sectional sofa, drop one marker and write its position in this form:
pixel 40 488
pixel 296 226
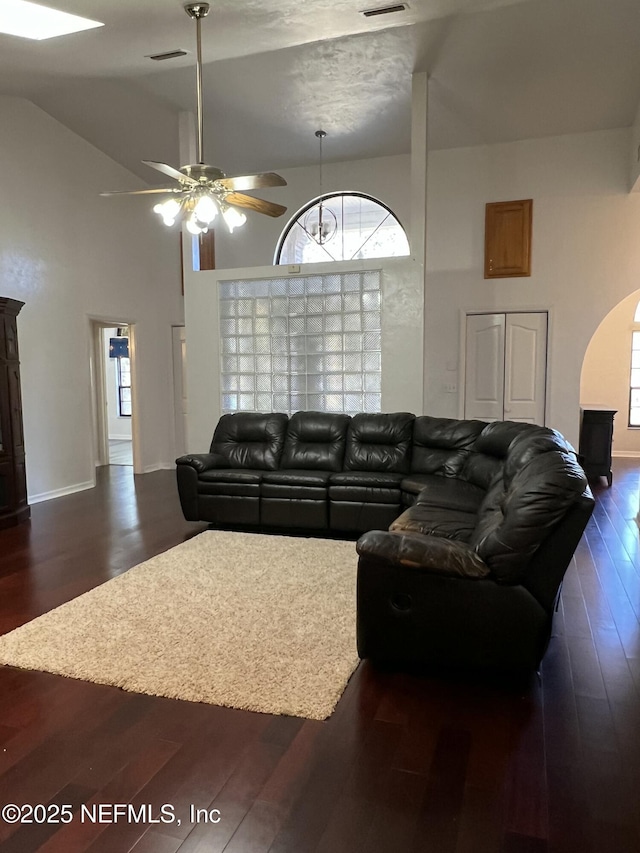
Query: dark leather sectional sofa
pixel 468 527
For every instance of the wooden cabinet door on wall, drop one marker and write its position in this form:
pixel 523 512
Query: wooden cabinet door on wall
pixel 507 238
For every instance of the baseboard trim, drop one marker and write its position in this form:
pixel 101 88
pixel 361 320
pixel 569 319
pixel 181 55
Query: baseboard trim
pixel 159 466
pixel 631 454
pixel 59 493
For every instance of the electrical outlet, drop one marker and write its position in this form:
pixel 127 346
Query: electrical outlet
pixel 450 388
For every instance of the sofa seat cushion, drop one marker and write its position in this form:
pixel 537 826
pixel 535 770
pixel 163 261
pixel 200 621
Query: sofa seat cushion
pixel 436 521
pixel 366 495
pixel 377 479
pixel 230 482
pixel 319 479
pixel 450 493
pixel 231 475
pixel 366 487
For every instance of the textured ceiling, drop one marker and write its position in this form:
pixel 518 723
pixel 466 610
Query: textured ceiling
pixel 276 70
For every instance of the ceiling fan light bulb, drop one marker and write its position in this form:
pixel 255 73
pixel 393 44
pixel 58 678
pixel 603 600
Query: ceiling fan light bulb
pixel 205 209
pixel 167 209
pixel 192 226
pixel 234 218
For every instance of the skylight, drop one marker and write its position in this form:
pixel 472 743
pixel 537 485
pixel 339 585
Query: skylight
pixel 32 21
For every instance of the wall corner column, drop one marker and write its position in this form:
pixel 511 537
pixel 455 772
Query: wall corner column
pixel 419 156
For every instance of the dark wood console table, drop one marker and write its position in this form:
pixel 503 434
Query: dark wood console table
pixel 13 482
pixel 596 438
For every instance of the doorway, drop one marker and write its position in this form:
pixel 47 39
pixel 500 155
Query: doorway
pixel 112 372
pixel 180 388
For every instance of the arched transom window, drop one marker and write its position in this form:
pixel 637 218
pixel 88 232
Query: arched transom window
pixel 341 226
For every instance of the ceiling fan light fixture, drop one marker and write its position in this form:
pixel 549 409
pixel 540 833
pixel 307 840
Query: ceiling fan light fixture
pixel 206 209
pixel 233 218
pixel 168 210
pixel 194 227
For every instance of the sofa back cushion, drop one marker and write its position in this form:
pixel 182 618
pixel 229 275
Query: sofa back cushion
pixel 315 441
pixel 490 451
pixel 379 442
pixel 249 440
pixel 442 445
pixel 540 481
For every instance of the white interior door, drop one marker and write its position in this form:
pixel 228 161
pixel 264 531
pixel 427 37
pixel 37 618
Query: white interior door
pixel 180 388
pixel 505 366
pixel 525 367
pixel 484 367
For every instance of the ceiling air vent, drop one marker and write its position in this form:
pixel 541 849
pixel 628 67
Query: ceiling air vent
pixel 169 54
pixel 385 10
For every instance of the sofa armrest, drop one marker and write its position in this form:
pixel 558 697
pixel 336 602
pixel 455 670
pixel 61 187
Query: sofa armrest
pixel 198 461
pixel 424 553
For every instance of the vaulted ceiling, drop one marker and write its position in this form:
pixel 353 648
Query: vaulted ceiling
pixel 277 70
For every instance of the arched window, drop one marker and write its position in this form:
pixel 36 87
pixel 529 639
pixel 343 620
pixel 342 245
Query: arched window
pixel 342 226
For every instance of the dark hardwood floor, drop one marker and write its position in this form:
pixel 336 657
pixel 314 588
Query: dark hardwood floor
pixel 406 763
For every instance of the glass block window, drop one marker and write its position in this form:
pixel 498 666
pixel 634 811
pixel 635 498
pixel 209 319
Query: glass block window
pixel 304 343
pixel 341 227
pixel 634 392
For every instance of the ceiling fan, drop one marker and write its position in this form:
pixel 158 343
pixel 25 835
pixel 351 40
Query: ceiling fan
pixel 204 191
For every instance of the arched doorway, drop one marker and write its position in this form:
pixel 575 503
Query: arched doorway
pixel 610 369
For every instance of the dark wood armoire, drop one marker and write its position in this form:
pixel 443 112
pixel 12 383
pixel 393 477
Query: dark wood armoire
pixel 13 482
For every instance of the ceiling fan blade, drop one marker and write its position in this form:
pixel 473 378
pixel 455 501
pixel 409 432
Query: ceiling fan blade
pixel 143 192
pixel 257 204
pixel 170 171
pixel 253 182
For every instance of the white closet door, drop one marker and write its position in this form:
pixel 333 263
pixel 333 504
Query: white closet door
pixel 506 367
pixel 484 368
pixel 525 367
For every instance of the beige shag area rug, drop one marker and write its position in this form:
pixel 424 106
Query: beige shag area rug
pixel 263 623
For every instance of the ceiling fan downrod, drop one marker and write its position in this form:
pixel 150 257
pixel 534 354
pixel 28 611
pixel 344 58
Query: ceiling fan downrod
pixel 198 11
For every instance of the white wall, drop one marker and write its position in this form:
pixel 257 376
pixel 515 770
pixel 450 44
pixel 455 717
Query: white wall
pixel 70 255
pixel 385 178
pixel 402 324
pixel 585 255
pixel 605 372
